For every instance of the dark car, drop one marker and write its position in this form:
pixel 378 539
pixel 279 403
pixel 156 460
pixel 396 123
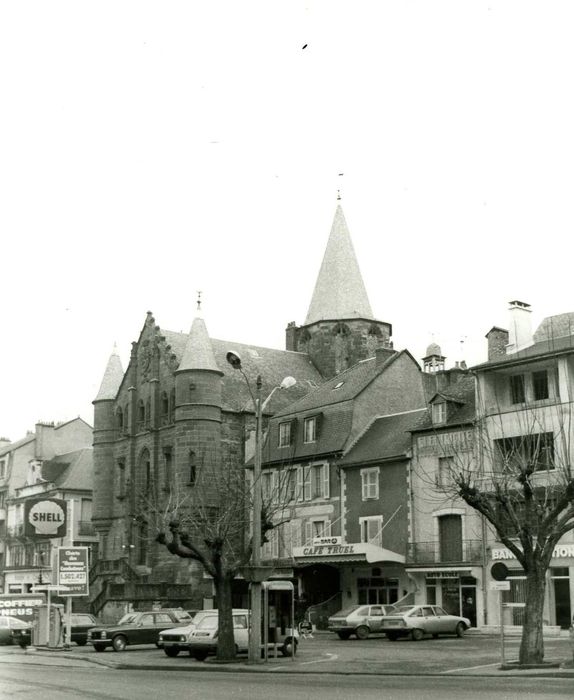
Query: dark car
pixel 81 624
pixel 141 627
pixel 14 631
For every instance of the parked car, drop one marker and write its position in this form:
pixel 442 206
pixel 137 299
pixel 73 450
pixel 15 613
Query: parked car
pixel 201 640
pixel 360 620
pixel 81 624
pixel 14 631
pixel 172 641
pixel 417 620
pixel 142 627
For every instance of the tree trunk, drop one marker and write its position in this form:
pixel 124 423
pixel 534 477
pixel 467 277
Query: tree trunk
pixel 532 644
pixel 225 638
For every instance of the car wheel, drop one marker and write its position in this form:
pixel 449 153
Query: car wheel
pixel 343 635
pixel 81 642
pixel 200 655
pixel 362 632
pixel 287 648
pixel 435 636
pixel 119 643
pixel 417 635
pixel 392 637
pixel 460 629
pixel 100 647
pixel 171 651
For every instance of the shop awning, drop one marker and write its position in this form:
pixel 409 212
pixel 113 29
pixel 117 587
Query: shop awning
pixel 437 569
pixel 339 553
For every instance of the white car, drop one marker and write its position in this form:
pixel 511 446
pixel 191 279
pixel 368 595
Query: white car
pixel 201 640
pixel 360 620
pixel 415 621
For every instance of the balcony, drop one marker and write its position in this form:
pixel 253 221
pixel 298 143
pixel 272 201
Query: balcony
pixel 15 530
pixel 467 552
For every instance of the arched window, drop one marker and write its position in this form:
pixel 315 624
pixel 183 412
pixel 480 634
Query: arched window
pixel 147 413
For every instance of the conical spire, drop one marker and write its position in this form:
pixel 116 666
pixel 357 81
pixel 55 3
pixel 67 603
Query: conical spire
pixel 198 353
pixel 112 380
pixel 339 291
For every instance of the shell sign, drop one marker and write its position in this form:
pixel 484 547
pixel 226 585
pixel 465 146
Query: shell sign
pixel 45 518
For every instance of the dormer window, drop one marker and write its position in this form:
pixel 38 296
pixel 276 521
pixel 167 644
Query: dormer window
pixel 310 429
pixel 439 412
pixel 285 434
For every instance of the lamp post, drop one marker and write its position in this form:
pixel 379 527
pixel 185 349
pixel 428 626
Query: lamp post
pixel 257 575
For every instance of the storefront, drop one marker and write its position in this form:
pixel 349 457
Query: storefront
pixel 559 596
pixel 348 574
pixel 457 589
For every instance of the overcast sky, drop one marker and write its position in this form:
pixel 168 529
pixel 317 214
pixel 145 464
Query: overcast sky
pixel 152 149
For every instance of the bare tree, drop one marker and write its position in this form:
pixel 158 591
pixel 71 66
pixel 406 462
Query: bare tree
pixel 519 477
pixel 211 523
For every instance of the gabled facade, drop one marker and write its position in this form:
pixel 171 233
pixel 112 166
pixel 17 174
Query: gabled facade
pixel 315 440
pixel 53 461
pixel 525 394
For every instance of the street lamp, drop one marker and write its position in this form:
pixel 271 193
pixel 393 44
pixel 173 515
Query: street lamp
pixel 257 574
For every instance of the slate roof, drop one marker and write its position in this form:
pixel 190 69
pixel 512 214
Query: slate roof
pixel 339 290
pixel 73 470
pixel 461 397
pixel 273 366
pixel 198 353
pixel 385 437
pixel 112 379
pixel 15 445
pixel 343 387
pixel 541 349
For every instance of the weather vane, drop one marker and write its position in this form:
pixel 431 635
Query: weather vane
pixel 199 301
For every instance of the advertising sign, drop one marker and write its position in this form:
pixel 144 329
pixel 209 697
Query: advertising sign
pixel 45 518
pixel 73 570
pixel 21 605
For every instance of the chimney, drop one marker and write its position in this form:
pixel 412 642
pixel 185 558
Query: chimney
pixel 382 354
pixel 45 440
pixel 497 342
pixel 520 334
pixel 291 336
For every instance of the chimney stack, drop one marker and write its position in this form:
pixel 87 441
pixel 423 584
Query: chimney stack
pixel 520 334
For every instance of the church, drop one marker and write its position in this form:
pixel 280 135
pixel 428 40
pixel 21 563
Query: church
pixel 179 404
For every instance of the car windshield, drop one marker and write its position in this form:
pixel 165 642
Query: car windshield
pixel 347 611
pixel 128 619
pixel 208 623
pixel 16 624
pixel 82 620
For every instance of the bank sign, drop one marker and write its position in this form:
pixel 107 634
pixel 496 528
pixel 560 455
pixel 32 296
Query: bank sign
pixel 45 518
pixel 560 551
pixel 73 570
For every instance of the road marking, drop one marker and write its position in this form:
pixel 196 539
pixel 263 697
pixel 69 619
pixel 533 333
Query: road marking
pixel 471 668
pixel 332 657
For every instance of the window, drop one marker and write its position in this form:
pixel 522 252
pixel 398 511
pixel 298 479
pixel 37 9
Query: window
pixel 121 478
pixel 319 527
pixel 439 412
pixel 540 385
pixel 2 468
pixel 517 394
pixel 371 530
pixel 284 434
pixel 370 483
pixel 310 429
pixel 290 485
pixel 2 499
pixel 141 415
pixel 525 452
pixel 192 469
pixel 313 481
pixel 168 468
pixel 164 409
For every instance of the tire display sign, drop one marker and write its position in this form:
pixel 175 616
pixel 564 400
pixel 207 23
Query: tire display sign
pixel 45 518
pixel 73 570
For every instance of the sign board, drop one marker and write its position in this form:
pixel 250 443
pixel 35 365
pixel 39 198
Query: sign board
pixel 327 540
pixel 21 605
pixel 499 571
pixel 499 585
pixel 73 570
pixel 45 518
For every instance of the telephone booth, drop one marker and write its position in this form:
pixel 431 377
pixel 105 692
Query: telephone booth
pixel 279 630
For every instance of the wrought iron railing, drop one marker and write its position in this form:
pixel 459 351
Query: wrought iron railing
pixel 467 551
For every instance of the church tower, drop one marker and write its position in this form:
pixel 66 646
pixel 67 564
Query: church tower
pixel 340 329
